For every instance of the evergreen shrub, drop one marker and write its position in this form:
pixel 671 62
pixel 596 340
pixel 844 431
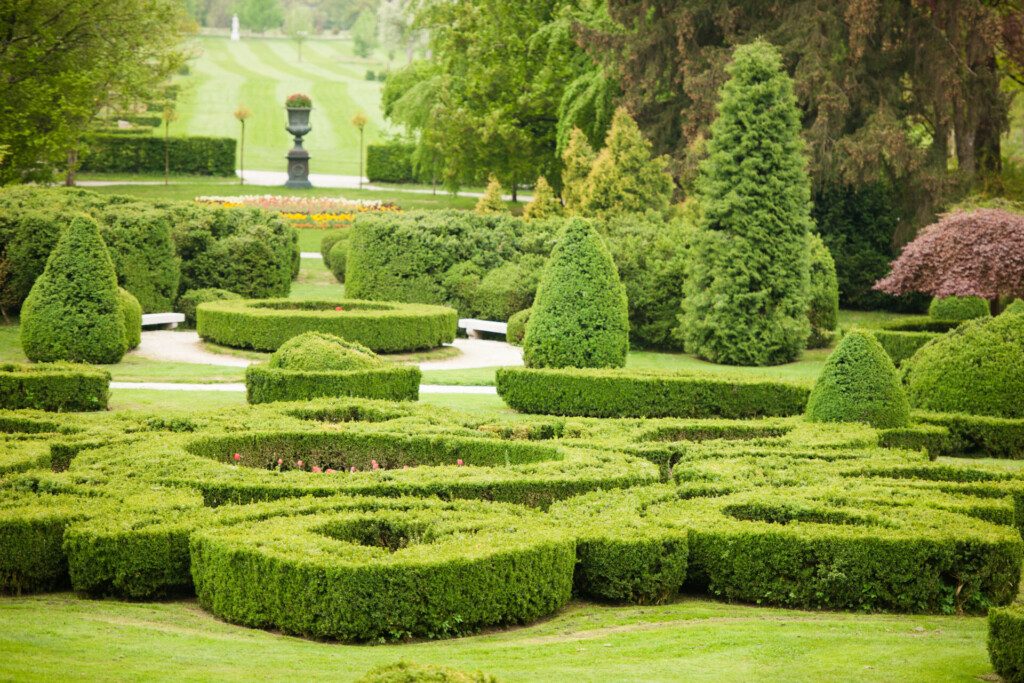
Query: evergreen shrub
pixel 57 387
pixel 190 300
pixel 132 312
pixel 517 327
pixel 958 308
pixel 337 259
pixel 823 306
pixel 193 155
pixel 1006 642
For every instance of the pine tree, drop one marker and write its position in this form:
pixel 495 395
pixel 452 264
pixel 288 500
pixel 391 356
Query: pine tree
pixel 491 201
pixel 544 203
pixel 73 311
pixel 580 317
pixel 747 293
pixel 624 177
pixel 577 160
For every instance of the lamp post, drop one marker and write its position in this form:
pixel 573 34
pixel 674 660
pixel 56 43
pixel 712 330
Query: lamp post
pixel 242 113
pixel 359 121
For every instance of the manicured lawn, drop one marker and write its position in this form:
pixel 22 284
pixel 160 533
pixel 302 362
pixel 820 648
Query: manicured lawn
pixel 64 637
pixel 165 402
pixel 315 281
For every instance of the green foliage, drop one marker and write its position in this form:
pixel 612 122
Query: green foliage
pixel 138 237
pixel 1006 642
pixel 190 300
pixel 823 307
pixel 337 259
pixel 624 178
pixel 516 330
pixel 193 155
pixel 260 15
pixel 390 162
pixel 508 288
pixel 73 312
pixel 265 384
pixel 406 672
pixel 384 327
pixel 1016 307
pixel 544 203
pixel 328 241
pixel 132 312
pixel 958 308
pixel 637 393
pixel 580 317
pixel 577 160
pixel 746 297
pixel 53 386
pixel 976 368
pixel 979 435
pixel 364 33
pixel 491 201
pixel 318 351
pixel 859 384
pixel 901 345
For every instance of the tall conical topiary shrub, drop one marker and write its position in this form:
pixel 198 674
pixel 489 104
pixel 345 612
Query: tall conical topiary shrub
pixel 544 203
pixel 823 295
pixel 624 177
pixel 746 297
pixel 859 383
pixel 577 160
pixel 491 201
pixel 579 318
pixel 73 311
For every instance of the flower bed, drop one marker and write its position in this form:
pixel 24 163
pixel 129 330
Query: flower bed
pixel 322 213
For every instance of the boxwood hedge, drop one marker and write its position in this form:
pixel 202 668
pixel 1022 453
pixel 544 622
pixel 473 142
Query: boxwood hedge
pixel 634 393
pixel 391 383
pixel 379 325
pixel 1006 642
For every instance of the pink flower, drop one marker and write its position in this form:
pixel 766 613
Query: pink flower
pixel 459 462
pixel 280 461
pixel 338 308
pixel 374 465
pixel 329 471
pixel 300 464
pixel 316 468
pixel 237 457
pixel 353 469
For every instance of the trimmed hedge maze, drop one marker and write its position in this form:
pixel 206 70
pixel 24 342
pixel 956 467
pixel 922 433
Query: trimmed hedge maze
pixel 396 383
pixel 384 327
pixel 1006 642
pixel 370 521
pixel 53 386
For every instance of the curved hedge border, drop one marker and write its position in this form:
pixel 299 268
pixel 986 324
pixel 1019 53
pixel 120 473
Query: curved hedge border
pixel 398 383
pixel 632 393
pixel 902 345
pixel 382 326
pixel 1006 642
pixel 53 386
pixel 370 570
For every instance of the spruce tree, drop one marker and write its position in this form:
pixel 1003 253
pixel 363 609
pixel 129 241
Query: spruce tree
pixel 577 160
pixel 580 317
pixel 747 293
pixel 624 177
pixel 544 203
pixel 73 311
pixel 491 201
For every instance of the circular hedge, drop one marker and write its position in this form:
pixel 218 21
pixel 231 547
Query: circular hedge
pixel 977 368
pixel 382 326
pixel 379 569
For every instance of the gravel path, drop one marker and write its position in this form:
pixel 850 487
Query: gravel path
pixel 185 346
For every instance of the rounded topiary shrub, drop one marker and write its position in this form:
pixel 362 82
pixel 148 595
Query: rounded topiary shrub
pixel 328 241
pixel 958 308
pixel 859 384
pixel 188 301
pixel 823 296
pixel 517 327
pixel 580 315
pixel 337 258
pixel 131 309
pixel 976 368
pixel 73 311
pixel 407 672
pixel 318 351
pixel 1006 642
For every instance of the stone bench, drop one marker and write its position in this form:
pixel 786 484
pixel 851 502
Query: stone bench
pixel 162 321
pixel 474 327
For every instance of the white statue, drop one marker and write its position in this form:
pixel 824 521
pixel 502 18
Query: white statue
pixel 234 28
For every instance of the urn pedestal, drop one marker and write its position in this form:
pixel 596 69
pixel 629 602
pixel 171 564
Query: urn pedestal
pixel 298 158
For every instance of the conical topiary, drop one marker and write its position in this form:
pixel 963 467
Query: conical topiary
pixel 491 201
pixel 977 368
pixel 544 203
pixel 73 311
pixel 579 317
pixel 746 294
pixel 624 177
pixel 859 384
pixel 577 160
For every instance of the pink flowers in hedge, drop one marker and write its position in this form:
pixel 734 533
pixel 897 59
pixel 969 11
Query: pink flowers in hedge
pixel 237 457
pixel 459 462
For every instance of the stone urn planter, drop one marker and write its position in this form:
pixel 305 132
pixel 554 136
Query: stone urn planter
pixel 298 107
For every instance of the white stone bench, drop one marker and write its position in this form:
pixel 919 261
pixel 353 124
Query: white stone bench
pixel 163 321
pixel 474 327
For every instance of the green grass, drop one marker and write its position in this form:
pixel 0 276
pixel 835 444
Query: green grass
pixel 64 637
pixel 164 402
pixel 315 281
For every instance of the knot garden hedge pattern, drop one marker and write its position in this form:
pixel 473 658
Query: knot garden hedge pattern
pixel 363 520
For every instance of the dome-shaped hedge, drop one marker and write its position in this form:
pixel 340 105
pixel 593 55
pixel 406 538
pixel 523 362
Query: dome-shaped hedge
pixel 131 309
pixel 958 308
pixel 859 384
pixel 580 317
pixel 976 368
pixel 318 351
pixel 73 311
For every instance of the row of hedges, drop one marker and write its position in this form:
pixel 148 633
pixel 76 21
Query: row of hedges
pixel 634 393
pixel 390 162
pixel 396 383
pixel 159 249
pixel 1006 642
pixel 194 155
pixel 53 386
pixel 264 325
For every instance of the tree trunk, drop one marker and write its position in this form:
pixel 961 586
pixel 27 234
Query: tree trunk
pixel 69 179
